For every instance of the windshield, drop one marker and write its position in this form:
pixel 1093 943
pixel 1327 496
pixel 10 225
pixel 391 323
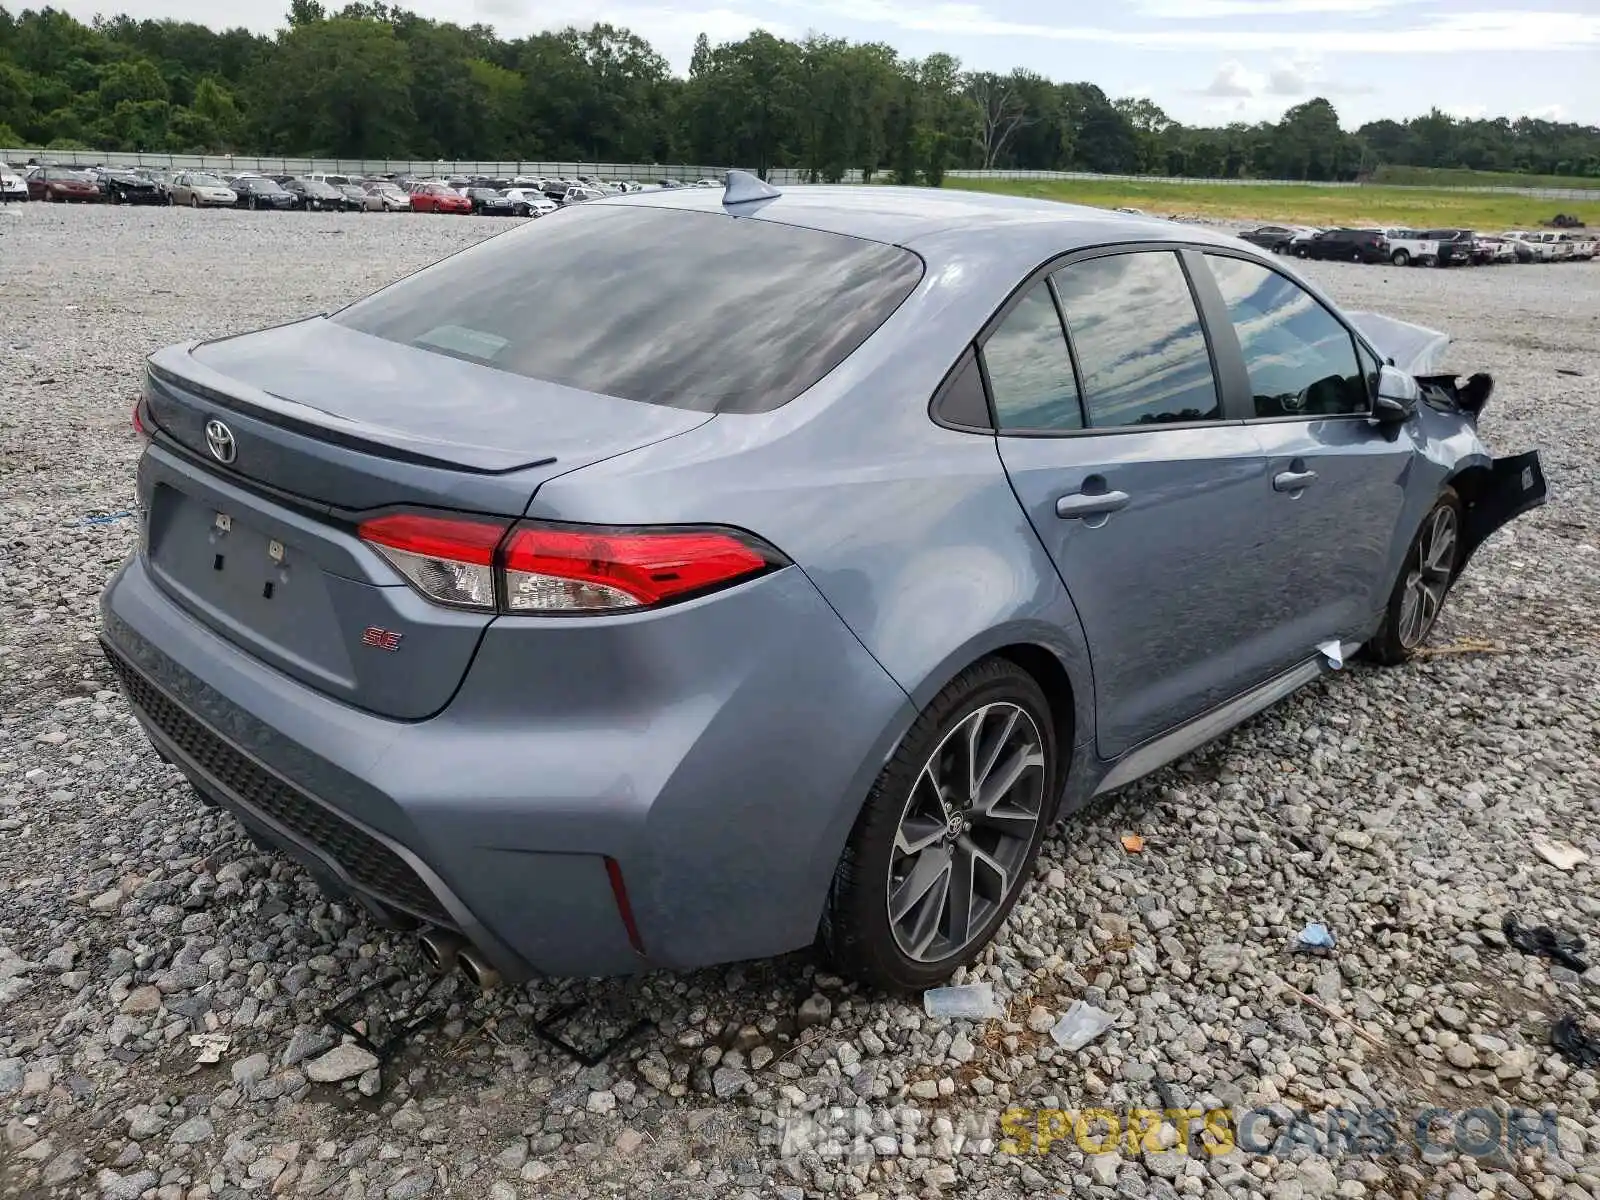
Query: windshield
pixel 773 308
pixel 70 177
pixel 205 181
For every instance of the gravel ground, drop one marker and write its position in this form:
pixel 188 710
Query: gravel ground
pixel 1400 808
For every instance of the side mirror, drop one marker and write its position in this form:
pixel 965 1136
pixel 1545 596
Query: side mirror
pixel 1398 394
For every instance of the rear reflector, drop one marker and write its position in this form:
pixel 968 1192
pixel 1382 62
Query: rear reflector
pixel 619 893
pixel 562 569
pixel 447 559
pixel 138 419
pixel 556 569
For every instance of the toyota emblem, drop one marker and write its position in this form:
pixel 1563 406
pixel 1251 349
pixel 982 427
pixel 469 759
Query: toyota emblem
pixel 219 440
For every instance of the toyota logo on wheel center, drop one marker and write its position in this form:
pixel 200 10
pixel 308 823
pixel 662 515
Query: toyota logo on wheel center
pixel 219 440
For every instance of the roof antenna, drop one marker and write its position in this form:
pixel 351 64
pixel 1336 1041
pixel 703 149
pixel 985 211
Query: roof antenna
pixel 741 188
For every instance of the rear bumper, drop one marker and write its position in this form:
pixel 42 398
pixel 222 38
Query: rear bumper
pixel 719 758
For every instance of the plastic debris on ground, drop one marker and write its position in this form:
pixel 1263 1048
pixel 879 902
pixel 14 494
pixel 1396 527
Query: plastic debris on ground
pixel 970 1001
pixel 1315 936
pixel 108 518
pixel 1556 945
pixel 1132 843
pixel 212 1046
pixel 1574 1043
pixel 1080 1025
pixel 1563 856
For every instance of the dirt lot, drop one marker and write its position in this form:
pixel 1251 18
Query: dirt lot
pixel 1400 808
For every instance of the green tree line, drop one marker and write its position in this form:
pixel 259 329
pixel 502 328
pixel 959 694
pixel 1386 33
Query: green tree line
pixel 371 81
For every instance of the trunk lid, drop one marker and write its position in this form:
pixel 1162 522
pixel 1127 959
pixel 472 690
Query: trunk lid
pixel 326 426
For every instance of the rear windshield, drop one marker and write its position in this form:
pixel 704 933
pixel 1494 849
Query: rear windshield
pixel 691 310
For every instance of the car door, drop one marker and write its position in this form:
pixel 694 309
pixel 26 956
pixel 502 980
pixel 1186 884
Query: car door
pixel 1335 485
pixel 1138 485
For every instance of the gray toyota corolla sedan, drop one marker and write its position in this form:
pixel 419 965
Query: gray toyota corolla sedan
pixel 787 579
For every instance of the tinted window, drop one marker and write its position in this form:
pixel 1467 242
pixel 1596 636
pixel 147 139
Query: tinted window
pixel 1302 362
pixel 1138 338
pixel 693 310
pixel 1030 372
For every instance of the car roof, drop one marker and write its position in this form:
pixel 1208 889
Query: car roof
pixel 938 222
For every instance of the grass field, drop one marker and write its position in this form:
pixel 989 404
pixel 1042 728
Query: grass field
pixel 1454 177
pixel 1312 205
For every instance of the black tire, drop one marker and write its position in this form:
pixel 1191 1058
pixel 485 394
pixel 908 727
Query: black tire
pixel 1401 258
pixel 194 200
pixel 255 203
pixel 1397 638
pixel 855 933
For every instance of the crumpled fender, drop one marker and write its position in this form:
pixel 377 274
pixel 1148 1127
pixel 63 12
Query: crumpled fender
pixel 1415 349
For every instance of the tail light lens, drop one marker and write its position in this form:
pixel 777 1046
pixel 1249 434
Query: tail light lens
pixel 565 569
pixel 536 568
pixel 138 419
pixel 447 559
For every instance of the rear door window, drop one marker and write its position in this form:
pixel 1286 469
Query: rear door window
pixel 1301 360
pixel 1030 371
pixel 692 310
pixel 1142 354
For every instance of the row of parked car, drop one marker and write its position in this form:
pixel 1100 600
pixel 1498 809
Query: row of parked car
pixel 519 197
pixel 1424 247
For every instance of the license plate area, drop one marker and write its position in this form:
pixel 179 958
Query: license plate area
pixel 258 589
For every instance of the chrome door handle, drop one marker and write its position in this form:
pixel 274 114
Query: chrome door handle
pixel 1292 481
pixel 1091 504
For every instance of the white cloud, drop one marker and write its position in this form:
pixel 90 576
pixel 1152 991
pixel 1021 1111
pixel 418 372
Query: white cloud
pixel 1212 10
pixel 1458 33
pixel 1288 81
pixel 1233 80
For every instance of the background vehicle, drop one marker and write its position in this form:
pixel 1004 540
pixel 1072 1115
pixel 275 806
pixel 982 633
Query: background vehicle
pixel 199 189
pixel 61 185
pixel 1582 247
pixel 12 185
pixel 392 197
pixel 578 193
pixel 313 195
pixel 531 202
pixel 124 187
pixel 257 191
pixel 487 202
pixel 1275 238
pixel 1345 245
pixel 1407 246
pixel 669 697
pixel 438 198
pixel 358 199
pixel 1530 247
pixel 1455 246
pixel 1493 249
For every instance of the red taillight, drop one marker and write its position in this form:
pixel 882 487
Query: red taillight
pixel 561 569
pixel 564 569
pixel 448 559
pixel 138 419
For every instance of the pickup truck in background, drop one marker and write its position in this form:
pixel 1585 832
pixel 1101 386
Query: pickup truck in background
pixel 1408 247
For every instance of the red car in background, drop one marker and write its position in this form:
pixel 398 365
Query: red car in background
pixel 435 197
pixel 61 184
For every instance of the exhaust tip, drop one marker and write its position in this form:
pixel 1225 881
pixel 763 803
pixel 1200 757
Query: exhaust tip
pixel 476 971
pixel 440 950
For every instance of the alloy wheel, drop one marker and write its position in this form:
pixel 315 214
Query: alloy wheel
pixel 965 832
pixel 1428 573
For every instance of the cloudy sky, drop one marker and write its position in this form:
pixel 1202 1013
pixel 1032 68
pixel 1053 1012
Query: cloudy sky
pixel 1204 61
